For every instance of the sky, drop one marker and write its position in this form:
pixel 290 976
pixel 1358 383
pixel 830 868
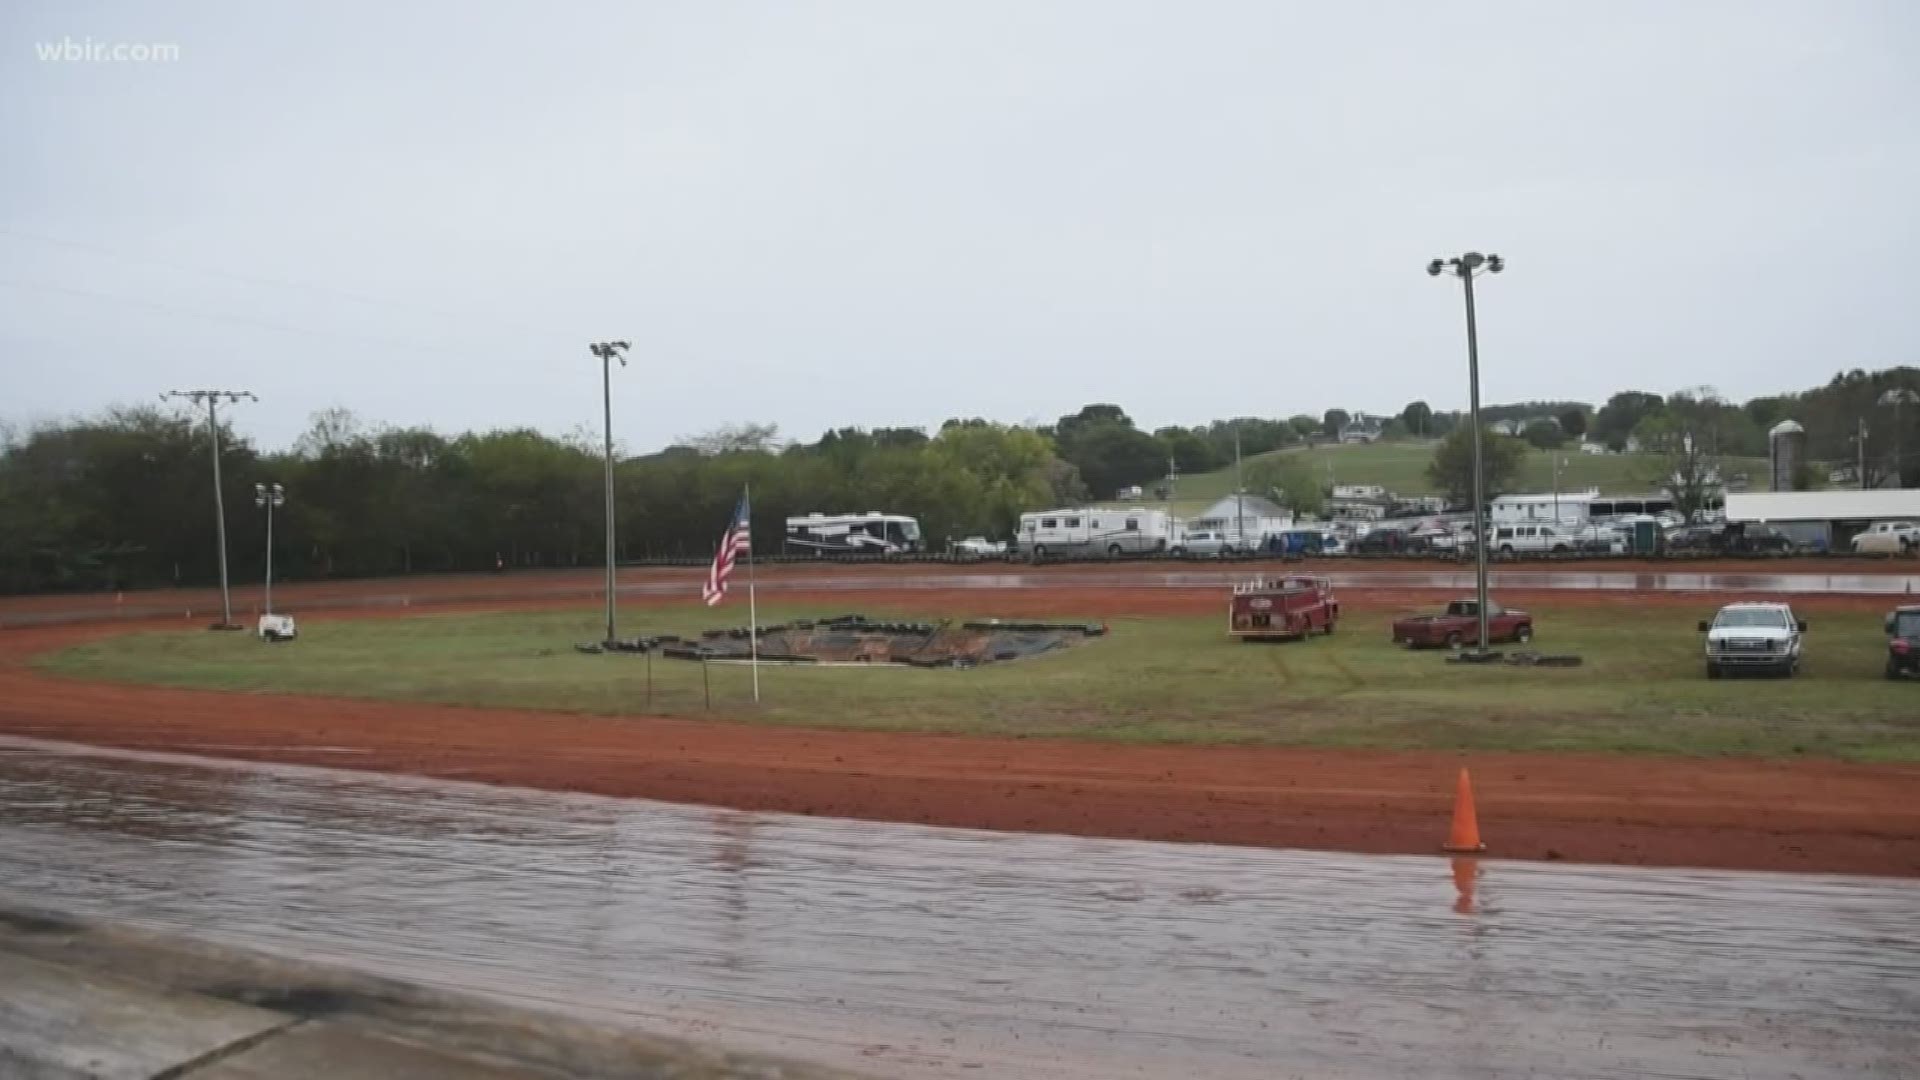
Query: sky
pixel 865 212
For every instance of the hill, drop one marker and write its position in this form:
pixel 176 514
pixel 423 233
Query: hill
pixel 1401 467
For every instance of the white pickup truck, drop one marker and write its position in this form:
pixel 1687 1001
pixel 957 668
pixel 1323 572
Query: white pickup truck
pixel 1888 538
pixel 1754 636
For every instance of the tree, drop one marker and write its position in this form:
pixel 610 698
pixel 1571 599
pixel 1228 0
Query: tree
pixel 1334 420
pixel 1451 469
pixel 1069 426
pixel 1544 435
pixel 1688 437
pixel 1286 479
pixel 1573 422
pixel 736 439
pixel 1622 413
pixel 1111 456
pixel 1190 449
pixel 1304 426
pixel 1418 418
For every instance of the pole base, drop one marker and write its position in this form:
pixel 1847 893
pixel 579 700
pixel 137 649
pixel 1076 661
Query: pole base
pixel 225 626
pixel 1475 658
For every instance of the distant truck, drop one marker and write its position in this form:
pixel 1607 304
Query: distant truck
pixel 1291 607
pixel 1460 625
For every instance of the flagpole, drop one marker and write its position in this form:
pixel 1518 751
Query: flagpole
pixel 753 604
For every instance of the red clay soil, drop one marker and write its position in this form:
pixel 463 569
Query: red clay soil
pixel 1727 813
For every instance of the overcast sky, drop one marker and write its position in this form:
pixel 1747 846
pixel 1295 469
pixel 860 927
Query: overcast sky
pixel 878 213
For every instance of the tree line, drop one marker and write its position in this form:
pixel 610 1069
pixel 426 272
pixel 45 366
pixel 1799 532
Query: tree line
pixel 123 499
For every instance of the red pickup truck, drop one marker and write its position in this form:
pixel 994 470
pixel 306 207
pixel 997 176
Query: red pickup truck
pixel 1460 625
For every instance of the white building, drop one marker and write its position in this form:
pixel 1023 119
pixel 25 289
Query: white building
pixel 1251 518
pixel 1359 491
pixel 1828 520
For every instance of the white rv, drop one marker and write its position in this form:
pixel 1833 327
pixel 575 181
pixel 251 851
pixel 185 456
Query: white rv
pixel 1094 531
pixel 871 533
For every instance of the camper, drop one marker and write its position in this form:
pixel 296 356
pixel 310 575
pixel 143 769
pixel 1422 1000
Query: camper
pixel 871 533
pixel 1093 531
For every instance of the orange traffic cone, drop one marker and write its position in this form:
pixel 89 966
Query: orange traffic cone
pixel 1465 834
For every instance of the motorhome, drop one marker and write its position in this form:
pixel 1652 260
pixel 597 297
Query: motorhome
pixel 871 533
pixel 1092 530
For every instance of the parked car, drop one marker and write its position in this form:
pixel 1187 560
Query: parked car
pixel 1386 540
pixel 1460 625
pixel 1737 538
pixel 1291 607
pixel 1903 641
pixel 979 545
pixel 1600 539
pixel 1205 542
pixel 1693 538
pixel 1888 538
pixel 1754 636
pixel 1751 539
pixel 1531 540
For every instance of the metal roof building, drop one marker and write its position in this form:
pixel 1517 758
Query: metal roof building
pixel 1826 520
pixel 1874 504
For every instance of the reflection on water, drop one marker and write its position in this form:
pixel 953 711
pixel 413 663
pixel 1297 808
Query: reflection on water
pixel 1139 576
pixel 913 951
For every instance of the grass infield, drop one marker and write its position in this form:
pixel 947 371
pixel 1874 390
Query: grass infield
pixel 1161 680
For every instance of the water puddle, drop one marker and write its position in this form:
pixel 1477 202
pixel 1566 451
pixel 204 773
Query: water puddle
pixel 911 951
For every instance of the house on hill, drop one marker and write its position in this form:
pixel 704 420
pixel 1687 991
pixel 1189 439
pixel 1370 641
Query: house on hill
pixel 1361 429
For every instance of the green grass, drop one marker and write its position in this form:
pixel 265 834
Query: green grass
pixel 1158 680
pixel 1401 467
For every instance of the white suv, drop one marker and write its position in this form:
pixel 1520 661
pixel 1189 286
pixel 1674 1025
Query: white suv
pixel 1888 538
pixel 1758 636
pixel 1522 539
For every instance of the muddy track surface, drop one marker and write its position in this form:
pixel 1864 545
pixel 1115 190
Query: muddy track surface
pixel 1873 577
pixel 1728 813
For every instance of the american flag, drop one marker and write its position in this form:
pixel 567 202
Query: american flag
pixel 737 542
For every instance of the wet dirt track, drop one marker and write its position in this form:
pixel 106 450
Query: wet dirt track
pixel 910 951
pixel 1838 577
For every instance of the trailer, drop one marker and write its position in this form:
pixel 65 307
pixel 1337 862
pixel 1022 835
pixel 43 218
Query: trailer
pixel 1094 531
pixel 1280 609
pixel 871 533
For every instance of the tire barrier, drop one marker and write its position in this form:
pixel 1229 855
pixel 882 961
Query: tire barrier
pixel 857 639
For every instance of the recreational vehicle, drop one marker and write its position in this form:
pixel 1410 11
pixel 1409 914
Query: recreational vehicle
pixel 1093 531
pixel 871 533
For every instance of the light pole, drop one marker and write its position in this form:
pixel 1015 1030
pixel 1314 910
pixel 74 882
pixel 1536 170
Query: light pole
pixel 608 352
pixel 211 399
pixel 1465 267
pixel 267 497
pixel 1897 397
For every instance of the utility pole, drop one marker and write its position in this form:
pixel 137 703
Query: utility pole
pixel 1861 439
pixel 269 497
pixel 1897 397
pixel 211 399
pixel 1556 488
pixel 608 352
pixel 1465 267
pixel 1239 492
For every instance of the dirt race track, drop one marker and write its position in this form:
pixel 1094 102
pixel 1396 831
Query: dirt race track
pixel 1726 813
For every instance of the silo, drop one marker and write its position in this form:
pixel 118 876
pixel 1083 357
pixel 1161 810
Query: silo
pixel 1786 450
